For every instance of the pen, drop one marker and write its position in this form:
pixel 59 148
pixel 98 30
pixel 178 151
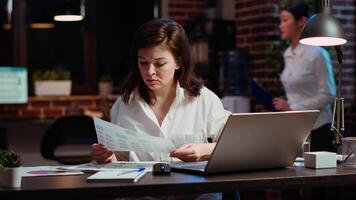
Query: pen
pixel 130 171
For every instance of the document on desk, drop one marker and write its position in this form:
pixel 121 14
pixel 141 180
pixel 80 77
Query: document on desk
pixel 47 171
pixel 113 166
pixel 117 138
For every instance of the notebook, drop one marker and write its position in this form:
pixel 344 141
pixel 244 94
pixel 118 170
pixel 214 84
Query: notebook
pixel 255 141
pixel 115 176
pixel 262 96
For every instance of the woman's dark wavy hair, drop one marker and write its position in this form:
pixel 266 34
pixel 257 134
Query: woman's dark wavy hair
pixel 170 34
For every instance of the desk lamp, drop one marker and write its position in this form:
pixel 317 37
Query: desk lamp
pixel 322 29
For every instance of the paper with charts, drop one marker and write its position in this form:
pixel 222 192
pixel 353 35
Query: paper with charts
pixel 117 138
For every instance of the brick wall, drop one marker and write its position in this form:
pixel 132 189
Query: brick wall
pixel 257 25
pixel 183 10
pixel 345 11
pixel 48 107
pixel 256 28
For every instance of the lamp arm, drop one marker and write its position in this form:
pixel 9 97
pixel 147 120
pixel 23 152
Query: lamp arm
pixel 340 56
pixel 339 53
pixel 338 122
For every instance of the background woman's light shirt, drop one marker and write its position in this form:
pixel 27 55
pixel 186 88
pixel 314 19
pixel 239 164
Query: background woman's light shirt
pixel 308 80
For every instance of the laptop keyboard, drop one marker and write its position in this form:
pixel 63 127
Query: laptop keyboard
pixel 200 165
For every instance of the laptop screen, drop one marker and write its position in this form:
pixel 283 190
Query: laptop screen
pixel 13 85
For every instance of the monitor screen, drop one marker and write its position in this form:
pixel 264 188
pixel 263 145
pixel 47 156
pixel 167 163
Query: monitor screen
pixel 13 85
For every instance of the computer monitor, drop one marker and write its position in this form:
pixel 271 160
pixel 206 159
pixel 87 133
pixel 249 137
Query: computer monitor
pixel 13 85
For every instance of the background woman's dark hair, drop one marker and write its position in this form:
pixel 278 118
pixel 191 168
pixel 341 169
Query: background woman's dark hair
pixel 298 10
pixel 170 34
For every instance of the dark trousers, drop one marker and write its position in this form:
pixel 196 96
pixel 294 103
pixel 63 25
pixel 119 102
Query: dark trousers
pixel 322 138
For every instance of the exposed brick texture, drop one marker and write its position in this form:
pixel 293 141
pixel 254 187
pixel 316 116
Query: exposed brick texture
pixel 345 12
pixel 40 103
pixel 31 113
pixel 49 107
pixel 54 112
pixel 183 10
pixel 257 25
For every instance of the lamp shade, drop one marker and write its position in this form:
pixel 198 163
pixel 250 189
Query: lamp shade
pixel 322 29
pixel 74 10
pixel 68 18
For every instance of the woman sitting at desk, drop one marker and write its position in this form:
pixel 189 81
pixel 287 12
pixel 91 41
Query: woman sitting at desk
pixel 162 97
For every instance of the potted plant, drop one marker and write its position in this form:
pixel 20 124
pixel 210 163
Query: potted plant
pixel 10 169
pixel 105 85
pixel 52 82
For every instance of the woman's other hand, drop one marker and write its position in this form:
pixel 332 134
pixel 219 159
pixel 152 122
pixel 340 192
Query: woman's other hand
pixel 281 104
pixel 101 154
pixel 193 152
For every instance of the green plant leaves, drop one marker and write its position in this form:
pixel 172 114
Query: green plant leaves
pixel 9 159
pixel 105 78
pixel 39 75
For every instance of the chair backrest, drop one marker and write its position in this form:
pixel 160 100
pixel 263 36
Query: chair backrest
pixel 68 139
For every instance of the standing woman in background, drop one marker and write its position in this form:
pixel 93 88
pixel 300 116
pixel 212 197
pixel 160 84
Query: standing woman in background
pixel 307 77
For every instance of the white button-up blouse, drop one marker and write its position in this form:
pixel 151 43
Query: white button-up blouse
pixel 308 81
pixel 189 120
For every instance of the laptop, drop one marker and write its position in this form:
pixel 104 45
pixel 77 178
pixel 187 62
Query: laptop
pixel 254 141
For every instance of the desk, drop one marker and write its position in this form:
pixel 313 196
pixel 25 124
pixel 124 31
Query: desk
pixel 177 183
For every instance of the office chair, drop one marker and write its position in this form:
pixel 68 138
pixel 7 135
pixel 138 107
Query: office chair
pixel 68 140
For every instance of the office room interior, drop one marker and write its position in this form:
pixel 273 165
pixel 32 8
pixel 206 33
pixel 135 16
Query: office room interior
pixel 232 42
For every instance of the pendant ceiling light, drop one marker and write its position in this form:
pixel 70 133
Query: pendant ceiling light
pixel 72 12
